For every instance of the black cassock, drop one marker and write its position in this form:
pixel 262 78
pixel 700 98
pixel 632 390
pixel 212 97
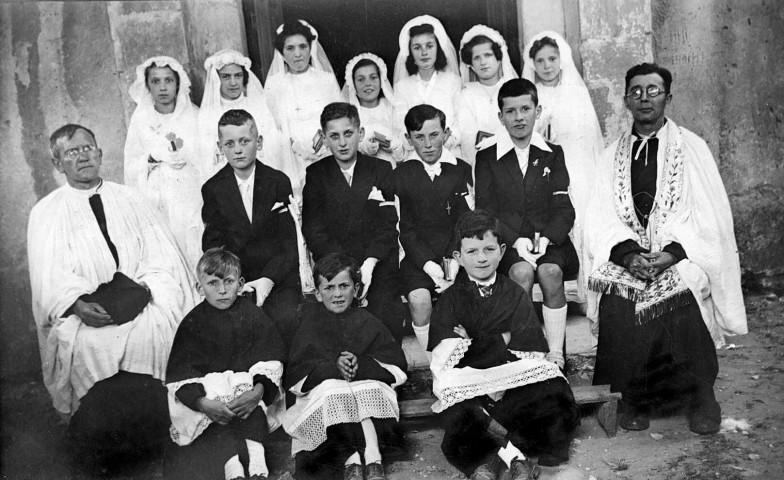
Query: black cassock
pixel 211 340
pixel 539 417
pixel 321 337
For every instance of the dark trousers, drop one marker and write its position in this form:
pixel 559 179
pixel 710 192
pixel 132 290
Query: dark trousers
pixel 328 459
pixel 281 306
pixel 384 302
pixel 668 362
pixel 206 456
pixel 539 418
pixel 121 420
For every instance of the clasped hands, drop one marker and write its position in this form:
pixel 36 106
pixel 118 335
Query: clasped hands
pixel 525 248
pixel 242 406
pixel 461 330
pixel 347 364
pixel 93 314
pixel 647 266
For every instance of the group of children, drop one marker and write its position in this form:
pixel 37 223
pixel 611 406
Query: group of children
pixel 344 361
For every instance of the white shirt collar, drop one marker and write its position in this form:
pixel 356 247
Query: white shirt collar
pixel 505 144
pixel 349 170
pixel 251 180
pixel 485 283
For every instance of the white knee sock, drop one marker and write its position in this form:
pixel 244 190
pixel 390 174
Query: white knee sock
pixel 509 453
pixel 354 459
pixel 423 335
pixel 233 468
pixel 555 330
pixel 372 452
pixel 258 463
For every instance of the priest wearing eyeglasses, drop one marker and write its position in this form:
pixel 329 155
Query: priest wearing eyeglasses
pixel 664 263
pixel 109 289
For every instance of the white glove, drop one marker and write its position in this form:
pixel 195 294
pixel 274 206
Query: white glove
pixel 262 286
pixel 366 271
pixel 437 275
pixel 369 146
pixel 524 247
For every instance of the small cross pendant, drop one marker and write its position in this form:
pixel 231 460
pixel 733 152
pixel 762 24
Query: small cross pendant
pixel 448 208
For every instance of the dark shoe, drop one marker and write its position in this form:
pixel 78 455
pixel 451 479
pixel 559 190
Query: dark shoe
pixel 524 470
pixel 353 472
pixel 483 472
pixel 374 471
pixel 549 459
pixel 703 425
pixel 635 421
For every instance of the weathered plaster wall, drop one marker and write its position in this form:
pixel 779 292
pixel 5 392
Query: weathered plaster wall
pixel 726 57
pixel 72 62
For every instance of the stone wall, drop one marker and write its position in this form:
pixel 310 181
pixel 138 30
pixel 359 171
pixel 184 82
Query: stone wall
pixel 727 63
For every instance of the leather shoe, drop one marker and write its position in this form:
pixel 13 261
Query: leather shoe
pixel 353 472
pixel 374 471
pixel 635 421
pixel 524 470
pixel 702 425
pixel 483 472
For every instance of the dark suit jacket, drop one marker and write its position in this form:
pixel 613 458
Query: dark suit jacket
pixel 429 209
pixel 267 247
pixel 538 202
pixel 339 218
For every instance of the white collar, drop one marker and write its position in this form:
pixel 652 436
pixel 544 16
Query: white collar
pixel 251 180
pixel 446 157
pixel 505 144
pixel 87 193
pixel 349 170
pixel 485 283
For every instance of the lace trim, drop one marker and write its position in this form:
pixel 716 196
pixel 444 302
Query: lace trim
pixel 341 407
pixel 527 355
pixel 457 354
pixel 622 185
pixel 204 420
pixel 456 394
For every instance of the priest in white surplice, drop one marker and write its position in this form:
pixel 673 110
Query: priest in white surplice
pixel 79 237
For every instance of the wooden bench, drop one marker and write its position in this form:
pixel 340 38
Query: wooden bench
pixel 583 395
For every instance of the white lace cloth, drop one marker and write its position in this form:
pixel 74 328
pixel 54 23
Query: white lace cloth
pixel 188 424
pixel 453 385
pixel 338 401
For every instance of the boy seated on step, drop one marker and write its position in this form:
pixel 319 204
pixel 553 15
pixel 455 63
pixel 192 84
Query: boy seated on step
pixel 224 377
pixel 489 364
pixel 433 189
pixel 343 368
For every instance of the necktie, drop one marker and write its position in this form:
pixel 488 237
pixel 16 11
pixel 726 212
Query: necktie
pixel 485 290
pixel 97 206
pixel 348 177
pixel 247 200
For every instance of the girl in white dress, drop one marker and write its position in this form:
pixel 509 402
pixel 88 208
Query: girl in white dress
pixel 231 85
pixel 568 119
pixel 161 149
pixel 368 88
pixel 426 71
pixel 484 67
pixel 300 83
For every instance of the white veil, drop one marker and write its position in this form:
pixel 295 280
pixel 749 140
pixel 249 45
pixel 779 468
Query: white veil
pixel 443 40
pixel 141 94
pixel 569 73
pixel 318 58
pixel 508 72
pixel 349 90
pixel 211 101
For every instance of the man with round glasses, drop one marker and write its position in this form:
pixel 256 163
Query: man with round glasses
pixel 665 275
pixel 109 289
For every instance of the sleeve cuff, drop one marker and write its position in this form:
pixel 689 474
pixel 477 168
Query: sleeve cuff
pixel 676 250
pixel 619 252
pixel 270 389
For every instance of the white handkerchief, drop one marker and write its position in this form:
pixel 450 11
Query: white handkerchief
pixel 277 206
pixel 375 194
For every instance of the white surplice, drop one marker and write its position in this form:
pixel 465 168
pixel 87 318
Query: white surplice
pixel 69 257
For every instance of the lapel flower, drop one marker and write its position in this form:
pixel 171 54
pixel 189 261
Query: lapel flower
pixel 546 173
pixel 375 194
pixel 536 162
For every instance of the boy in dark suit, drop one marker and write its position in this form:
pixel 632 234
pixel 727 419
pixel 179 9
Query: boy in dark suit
pixel 349 207
pixel 246 210
pixel 433 187
pixel 523 181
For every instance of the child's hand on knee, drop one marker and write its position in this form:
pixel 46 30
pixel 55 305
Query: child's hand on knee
pixel 216 410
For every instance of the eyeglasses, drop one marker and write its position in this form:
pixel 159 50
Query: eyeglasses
pixel 73 153
pixel 652 91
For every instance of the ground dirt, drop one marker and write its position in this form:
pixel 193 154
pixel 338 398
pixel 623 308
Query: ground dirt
pixel 750 388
